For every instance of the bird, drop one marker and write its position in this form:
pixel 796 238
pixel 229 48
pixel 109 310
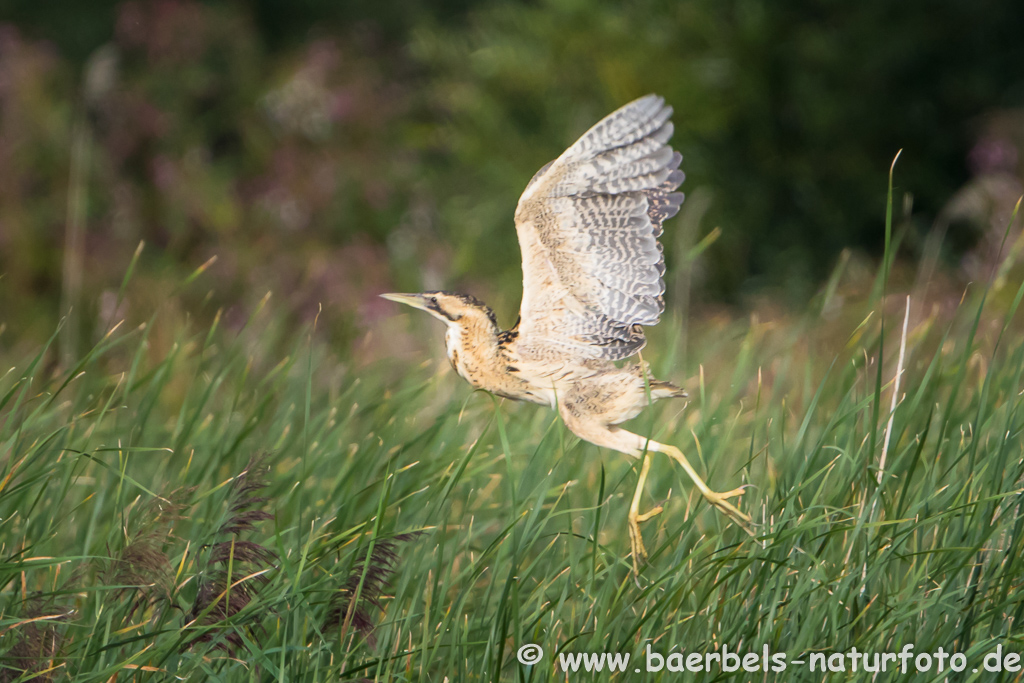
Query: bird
pixel 588 225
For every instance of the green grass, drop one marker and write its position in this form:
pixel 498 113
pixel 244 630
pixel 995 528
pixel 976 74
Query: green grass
pixel 523 536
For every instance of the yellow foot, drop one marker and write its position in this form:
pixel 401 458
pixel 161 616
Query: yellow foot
pixel 720 501
pixel 636 539
pixel 647 515
pixel 735 492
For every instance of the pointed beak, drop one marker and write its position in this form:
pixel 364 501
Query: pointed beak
pixel 414 300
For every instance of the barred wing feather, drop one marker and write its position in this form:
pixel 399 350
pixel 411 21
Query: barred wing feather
pixel 588 226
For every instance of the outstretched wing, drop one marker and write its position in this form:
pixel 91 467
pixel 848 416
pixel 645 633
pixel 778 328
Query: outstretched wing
pixel 588 226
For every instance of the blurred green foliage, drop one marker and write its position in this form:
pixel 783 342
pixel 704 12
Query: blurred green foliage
pixel 790 112
pixel 329 151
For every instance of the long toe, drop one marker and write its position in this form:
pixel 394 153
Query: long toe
pixel 650 513
pixel 730 510
pixel 735 492
pixel 636 543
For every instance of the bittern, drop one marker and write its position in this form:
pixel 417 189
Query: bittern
pixel 588 226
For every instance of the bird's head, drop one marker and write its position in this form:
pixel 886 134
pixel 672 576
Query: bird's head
pixel 457 310
pixel 472 327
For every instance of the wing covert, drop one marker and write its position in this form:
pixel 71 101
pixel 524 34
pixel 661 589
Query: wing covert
pixel 588 226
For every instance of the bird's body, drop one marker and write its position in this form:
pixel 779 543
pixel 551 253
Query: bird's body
pixel 588 226
pixel 490 359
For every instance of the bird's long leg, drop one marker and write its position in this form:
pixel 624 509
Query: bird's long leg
pixel 636 540
pixel 602 434
pixel 719 500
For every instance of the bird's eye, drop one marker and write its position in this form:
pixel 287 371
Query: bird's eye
pixel 433 300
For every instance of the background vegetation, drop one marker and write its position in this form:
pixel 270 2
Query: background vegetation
pixel 222 456
pixel 402 528
pixel 329 151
